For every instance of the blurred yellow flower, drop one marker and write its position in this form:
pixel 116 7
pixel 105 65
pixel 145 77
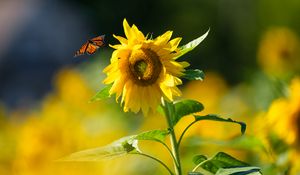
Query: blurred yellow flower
pixel 279 130
pixel 143 70
pixel 279 51
pixel 71 88
pixel 294 157
pixel 65 123
pixel 209 93
pixel 284 115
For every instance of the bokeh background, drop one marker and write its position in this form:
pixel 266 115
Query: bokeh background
pixel 251 59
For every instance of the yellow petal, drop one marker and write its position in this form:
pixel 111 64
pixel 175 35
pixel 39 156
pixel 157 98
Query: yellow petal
pixel 127 96
pixel 114 57
pixel 117 87
pixel 122 40
pixel 176 92
pixel 166 91
pixel 132 100
pixel 177 81
pixel 125 91
pixel 144 100
pixel 184 64
pixel 150 95
pixel 155 96
pixel 111 77
pixel 117 46
pixel 127 29
pixel 137 47
pixel 163 39
pixel 139 35
pixel 169 80
pixel 174 43
pixel 111 68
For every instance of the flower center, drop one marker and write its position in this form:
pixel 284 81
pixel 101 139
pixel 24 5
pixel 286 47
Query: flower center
pixel 145 66
pixel 285 54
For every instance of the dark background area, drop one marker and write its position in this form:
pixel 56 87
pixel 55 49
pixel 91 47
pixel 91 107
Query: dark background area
pixel 38 37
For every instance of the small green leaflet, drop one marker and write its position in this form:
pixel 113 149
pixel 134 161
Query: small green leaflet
pixel 102 94
pixel 191 45
pixel 194 74
pixel 185 107
pixel 217 118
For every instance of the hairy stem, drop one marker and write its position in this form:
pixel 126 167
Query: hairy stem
pixel 169 113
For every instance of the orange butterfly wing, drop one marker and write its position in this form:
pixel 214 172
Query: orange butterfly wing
pixel 99 40
pixel 82 50
pixel 91 46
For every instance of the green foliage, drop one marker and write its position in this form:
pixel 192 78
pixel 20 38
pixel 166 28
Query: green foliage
pixel 118 148
pixel 278 145
pixel 102 94
pixel 199 158
pixel 217 118
pixel 185 107
pixel 224 164
pixel 239 171
pixel 194 74
pixel 154 135
pixel 191 45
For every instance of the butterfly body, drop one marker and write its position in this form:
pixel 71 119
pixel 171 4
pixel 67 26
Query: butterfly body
pixel 91 46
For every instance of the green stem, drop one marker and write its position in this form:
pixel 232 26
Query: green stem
pixel 181 136
pixel 169 112
pixel 155 159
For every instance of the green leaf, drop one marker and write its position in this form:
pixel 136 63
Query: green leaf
pixel 198 159
pixel 185 107
pixel 118 148
pixel 227 160
pixel 191 45
pixel 194 74
pixel 239 171
pixel 102 94
pixel 217 118
pixel 155 135
pixel 224 164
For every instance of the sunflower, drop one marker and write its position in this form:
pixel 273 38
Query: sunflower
pixel 142 69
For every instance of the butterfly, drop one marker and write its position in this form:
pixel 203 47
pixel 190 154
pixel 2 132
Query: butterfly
pixel 91 46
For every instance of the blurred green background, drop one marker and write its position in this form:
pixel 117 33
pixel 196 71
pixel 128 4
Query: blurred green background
pixel 249 57
pixel 40 36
